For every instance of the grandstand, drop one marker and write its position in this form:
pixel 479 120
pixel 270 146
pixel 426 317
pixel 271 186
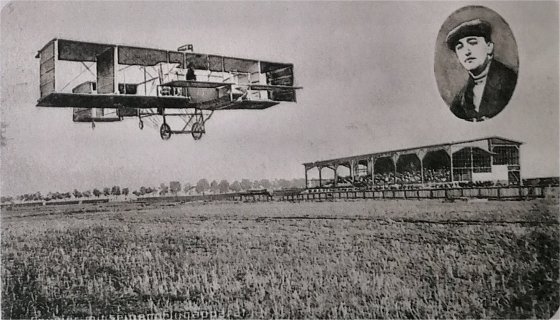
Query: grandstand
pixel 484 162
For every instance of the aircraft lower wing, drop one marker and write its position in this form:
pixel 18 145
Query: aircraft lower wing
pixel 271 87
pixel 207 84
pixel 196 84
pixel 116 101
pixel 248 105
pixel 86 100
pixel 277 93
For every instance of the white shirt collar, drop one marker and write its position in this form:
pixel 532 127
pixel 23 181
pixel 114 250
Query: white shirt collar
pixel 483 74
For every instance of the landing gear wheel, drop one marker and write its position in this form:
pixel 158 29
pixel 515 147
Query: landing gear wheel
pixel 141 124
pixel 165 131
pixel 197 130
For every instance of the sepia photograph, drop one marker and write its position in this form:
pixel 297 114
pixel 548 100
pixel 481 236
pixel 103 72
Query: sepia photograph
pixel 279 159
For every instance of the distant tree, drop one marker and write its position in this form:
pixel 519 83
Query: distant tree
pixel 7 199
pixel 96 192
pixel 116 191
pixel 265 183
pixel 175 186
pixel 77 194
pixel 125 191
pixel 283 183
pixel 224 186
pixel 106 191
pixel 187 187
pixel 298 183
pixel 142 190
pixel 214 187
pixel 37 196
pixel 256 184
pixel 202 185
pixel 235 186
pixel 163 189
pixel 246 184
pixel 3 138
pixel 67 195
pixel 86 194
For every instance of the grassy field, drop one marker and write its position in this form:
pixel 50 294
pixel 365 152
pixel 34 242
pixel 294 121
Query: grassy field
pixel 362 259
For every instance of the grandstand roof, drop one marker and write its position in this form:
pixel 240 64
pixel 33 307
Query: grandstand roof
pixel 495 140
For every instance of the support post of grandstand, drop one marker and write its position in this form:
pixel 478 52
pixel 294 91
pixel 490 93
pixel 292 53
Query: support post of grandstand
pixel 371 163
pixel 518 147
pixel 306 181
pixel 395 158
pixel 352 167
pixel 450 152
pixel 421 154
pixel 335 175
pixel 472 163
pixel 320 179
pixel 422 170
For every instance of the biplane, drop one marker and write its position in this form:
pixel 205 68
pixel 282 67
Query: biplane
pixel 107 83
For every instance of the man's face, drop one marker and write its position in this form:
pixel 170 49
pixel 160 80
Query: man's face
pixel 473 52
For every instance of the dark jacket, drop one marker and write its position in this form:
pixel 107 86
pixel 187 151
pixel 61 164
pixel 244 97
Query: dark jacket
pixel 190 74
pixel 500 83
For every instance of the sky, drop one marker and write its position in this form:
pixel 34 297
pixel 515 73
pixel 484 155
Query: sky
pixel 366 68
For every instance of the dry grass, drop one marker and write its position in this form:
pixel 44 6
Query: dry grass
pixel 364 259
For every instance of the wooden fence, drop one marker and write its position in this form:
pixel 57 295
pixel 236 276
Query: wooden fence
pixel 493 193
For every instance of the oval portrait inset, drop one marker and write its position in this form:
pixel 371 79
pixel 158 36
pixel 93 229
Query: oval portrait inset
pixel 476 63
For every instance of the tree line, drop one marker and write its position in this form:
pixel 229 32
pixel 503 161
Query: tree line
pixel 203 186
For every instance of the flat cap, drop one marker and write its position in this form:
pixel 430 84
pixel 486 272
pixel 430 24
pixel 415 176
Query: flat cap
pixel 476 27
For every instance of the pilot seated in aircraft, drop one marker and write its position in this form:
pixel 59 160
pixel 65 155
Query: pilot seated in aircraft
pixel 190 72
pixel 239 93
